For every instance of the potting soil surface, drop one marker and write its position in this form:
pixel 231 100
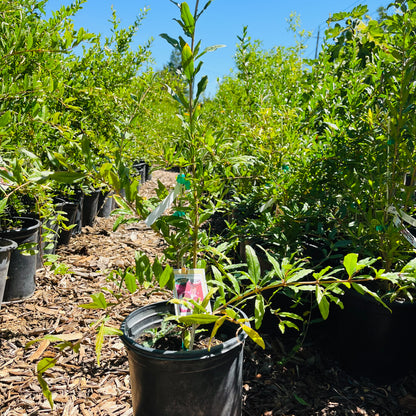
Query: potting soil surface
pixel 276 380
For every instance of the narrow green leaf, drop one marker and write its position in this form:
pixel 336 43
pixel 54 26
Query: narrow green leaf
pixel 198 318
pixel 202 85
pixel 322 301
pixel 67 177
pixel 187 19
pixel 170 40
pixel 45 389
pixel 98 302
pixel 231 313
pixel 217 326
pixel 3 204
pixel 130 282
pixel 208 297
pixel 253 265
pixel 45 364
pixel 99 342
pixel 5 118
pixel 254 335
pixel 258 311
pixel 300 400
pixel 361 289
pixel 108 330
pixel 209 49
pixel 205 7
pixel 187 62
pixel 165 277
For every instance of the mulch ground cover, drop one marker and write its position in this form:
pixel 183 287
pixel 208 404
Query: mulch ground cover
pixel 275 382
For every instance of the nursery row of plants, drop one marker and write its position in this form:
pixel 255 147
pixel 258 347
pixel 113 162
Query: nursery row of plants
pixel 298 176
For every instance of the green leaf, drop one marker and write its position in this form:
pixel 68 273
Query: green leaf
pixel 45 364
pixel 322 301
pixel 99 342
pixel 210 49
pixel 300 400
pixel 202 85
pixel 198 318
pixel 3 204
pixel 350 263
pixel 165 277
pixel 187 19
pixel 5 118
pixel 254 335
pixel 67 177
pixel 361 289
pixel 29 40
pixel 258 311
pixel 45 389
pixel 253 265
pixel 108 330
pixel 217 326
pixel 130 282
pixel 172 41
pixel 187 62
pixel 98 302
pixel 208 297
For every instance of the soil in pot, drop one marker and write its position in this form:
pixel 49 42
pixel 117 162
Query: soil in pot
pixel 171 339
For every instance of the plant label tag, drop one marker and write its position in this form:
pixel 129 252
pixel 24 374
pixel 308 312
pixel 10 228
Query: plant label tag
pixel 190 284
pixel 164 205
pixel 404 231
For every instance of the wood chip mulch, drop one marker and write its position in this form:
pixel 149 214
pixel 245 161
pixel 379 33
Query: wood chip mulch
pixel 307 384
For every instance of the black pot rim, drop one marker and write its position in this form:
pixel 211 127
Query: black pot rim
pixel 154 353
pixel 29 225
pixel 7 245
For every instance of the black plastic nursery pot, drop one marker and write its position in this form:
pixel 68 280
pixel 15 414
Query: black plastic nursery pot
pixel 168 383
pixel 70 209
pixel 90 208
pixel 22 269
pixel 78 199
pixel 370 341
pixel 106 204
pixel 6 248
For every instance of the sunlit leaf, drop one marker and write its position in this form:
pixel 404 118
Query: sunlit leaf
pixel 187 19
pixel 258 311
pixel 322 301
pixel 253 265
pixel 165 277
pixel 350 263
pixel 187 62
pixel 198 318
pixel 254 335
pixel 45 389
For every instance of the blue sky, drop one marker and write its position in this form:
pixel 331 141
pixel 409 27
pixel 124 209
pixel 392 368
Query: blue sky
pixel 222 22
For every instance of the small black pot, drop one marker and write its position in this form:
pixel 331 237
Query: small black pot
pixel 22 269
pixel 90 208
pixel 168 383
pixel 6 248
pixel 70 209
pixel 106 204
